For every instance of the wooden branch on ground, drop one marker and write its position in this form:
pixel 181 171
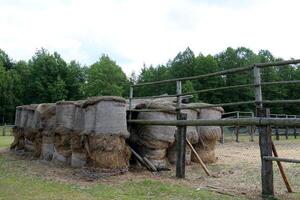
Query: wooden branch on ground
pixel 286 182
pixel 198 157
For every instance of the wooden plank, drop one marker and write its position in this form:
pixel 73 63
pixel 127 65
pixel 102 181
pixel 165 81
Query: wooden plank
pixel 285 180
pixel 180 148
pixel 198 157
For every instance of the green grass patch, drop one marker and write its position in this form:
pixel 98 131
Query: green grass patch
pixel 18 183
pixel 5 141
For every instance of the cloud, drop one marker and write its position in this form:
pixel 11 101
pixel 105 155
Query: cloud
pixel 134 32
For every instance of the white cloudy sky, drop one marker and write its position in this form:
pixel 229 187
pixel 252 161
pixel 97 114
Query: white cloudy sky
pixel 134 32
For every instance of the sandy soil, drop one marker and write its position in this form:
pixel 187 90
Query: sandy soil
pixel 237 171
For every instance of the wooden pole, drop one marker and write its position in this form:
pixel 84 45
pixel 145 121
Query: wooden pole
pixel 4 130
pixel 222 135
pixel 252 130
pixel 286 130
pixel 237 128
pixel 265 139
pixel 180 136
pixel 180 148
pixel 198 157
pixel 277 130
pixel 265 144
pixel 286 182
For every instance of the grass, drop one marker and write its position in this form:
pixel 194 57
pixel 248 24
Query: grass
pixel 8 130
pixel 17 183
pixel 5 141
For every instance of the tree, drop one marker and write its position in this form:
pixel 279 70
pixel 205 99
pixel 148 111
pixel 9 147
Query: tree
pixel 105 77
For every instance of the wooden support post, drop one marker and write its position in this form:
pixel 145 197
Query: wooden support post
pixel 4 130
pixel 237 128
pixel 286 131
pixel 180 136
pixel 277 130
pixel 252 129
pixel 180 149
pixel 130 102
pixel 286 182
pixel 265 139
pixel 222 135
pixel 295 130
pixel 265 144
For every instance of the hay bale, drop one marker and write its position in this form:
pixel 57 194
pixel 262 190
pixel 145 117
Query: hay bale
pixel 78 159
pixel 48 117
pixel 191 131
pixel 47 147
pixel 18 116
pixel 65 113
pixel 165 134
pixel 172 154
pixel 208 135
pixel 156 156
pixel 108 152
pixel 78 117
pixel 105 115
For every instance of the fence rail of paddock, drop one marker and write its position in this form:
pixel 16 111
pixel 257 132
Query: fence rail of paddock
pixel 262 118
pixel 234 132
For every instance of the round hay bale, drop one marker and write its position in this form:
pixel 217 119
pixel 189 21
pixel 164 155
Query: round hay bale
pixel 78 117
pixel 206 151
pixel 157 133
pixel 65 112
pixel 23 117
pixel 105 115
pixel 210 132
pixel 18 116
pixel 62 148
pixel 47 147
pixel 156 156
pixel 191 131
pixel 48 116
pixel 108 152
pixel 172 155
pixel 78 159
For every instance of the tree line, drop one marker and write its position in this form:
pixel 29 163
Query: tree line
pixel 47 77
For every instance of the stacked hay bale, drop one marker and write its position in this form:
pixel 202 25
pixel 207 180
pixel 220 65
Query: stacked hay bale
pixel 47 125
pixel 78 157
pixel 18 131
pixel 208 135
pixel 29 132
pixel 152 142
pixel 65 112
pixel 105 129
pixel 191 135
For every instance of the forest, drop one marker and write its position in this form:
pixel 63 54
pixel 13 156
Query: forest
pixel 47 77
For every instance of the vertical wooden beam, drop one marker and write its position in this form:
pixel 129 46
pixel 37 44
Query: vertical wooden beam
pixel 252 130
pixel 180 148
pixel 237 128
pixel 4 129
pixel 286 130
pixel 277 130
pixel 265 139
pixel 180 136
pixel 222 135
pixel 265 144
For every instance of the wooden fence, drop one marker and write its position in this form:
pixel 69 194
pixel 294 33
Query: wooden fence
pixel 262 119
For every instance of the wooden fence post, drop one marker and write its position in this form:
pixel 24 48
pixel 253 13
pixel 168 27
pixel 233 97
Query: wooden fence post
pixel 4 129
pixel 237 128
pixel 180 136
pixel 222 135
pixel 252 129
pixel 265 139
pixel 286 130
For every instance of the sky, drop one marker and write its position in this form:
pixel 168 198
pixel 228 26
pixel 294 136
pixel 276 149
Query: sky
pixel 138 32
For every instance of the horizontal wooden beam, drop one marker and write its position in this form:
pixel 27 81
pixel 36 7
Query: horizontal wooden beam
pixel 229 71
pixel 271 158
pixel 223 122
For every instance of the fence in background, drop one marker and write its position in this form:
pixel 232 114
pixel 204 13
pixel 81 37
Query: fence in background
pixel 251 130
pixel 262 119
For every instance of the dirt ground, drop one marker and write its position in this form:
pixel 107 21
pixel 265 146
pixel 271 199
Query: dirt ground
pixel 236 173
